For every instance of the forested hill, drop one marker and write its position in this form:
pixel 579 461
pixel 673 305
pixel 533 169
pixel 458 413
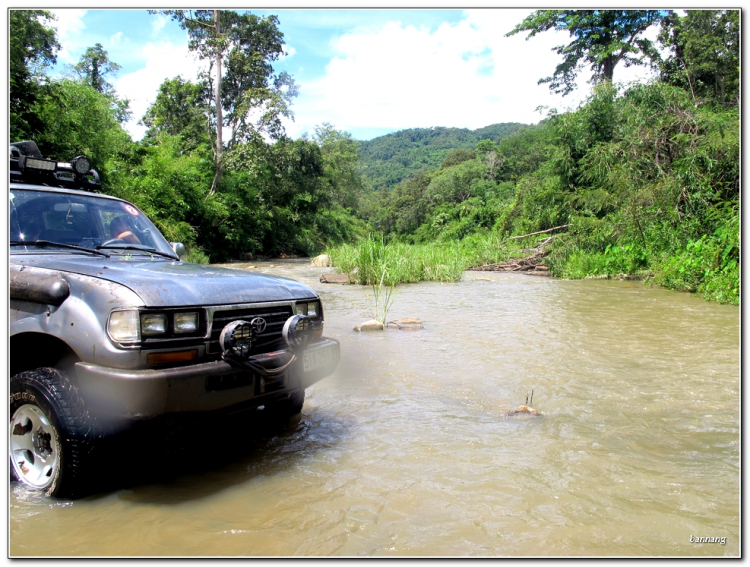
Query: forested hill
pixel 387 160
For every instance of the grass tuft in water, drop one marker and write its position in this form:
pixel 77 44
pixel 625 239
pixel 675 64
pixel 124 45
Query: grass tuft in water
pixel 375 262
pixel 372 261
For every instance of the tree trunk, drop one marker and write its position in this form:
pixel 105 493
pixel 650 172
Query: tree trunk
pixel 219 117
pixel 609 68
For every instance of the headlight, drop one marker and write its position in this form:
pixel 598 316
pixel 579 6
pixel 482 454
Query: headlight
pixel 185 323
pixel 124 326
pixel 153 324
pixel 311 309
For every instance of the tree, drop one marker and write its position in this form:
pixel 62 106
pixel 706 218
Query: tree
pixel 32 47
pixel 705 53
pixel 181 109
pixel 94 66
pixel 253 97
pixel 602 39
pixel 79 120
pixel 457 156
pixel 340 156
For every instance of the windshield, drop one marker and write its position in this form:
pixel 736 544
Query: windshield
pixel 80 221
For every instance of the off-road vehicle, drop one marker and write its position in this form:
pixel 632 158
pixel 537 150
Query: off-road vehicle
pixel 109 326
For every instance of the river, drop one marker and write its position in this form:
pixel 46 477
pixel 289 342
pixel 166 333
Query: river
pixel 407 450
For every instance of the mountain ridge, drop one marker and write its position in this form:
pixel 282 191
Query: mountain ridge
pixel 387 160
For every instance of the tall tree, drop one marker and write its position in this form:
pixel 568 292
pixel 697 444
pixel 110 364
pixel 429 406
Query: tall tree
pixel 601 38
pixel 94 66
pixel 32 47
pixel 249 98
pixel 705 53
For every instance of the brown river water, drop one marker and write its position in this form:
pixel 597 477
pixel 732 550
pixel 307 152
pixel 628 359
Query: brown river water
pixel 407 450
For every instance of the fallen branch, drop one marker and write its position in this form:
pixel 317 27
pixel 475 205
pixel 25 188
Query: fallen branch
pixel 533 233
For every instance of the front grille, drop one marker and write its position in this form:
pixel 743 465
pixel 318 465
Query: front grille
pixel 275 318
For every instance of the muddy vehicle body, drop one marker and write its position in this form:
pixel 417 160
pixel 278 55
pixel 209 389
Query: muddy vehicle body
pixel 108 326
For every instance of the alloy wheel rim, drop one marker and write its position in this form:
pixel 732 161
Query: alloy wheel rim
pixel 33 446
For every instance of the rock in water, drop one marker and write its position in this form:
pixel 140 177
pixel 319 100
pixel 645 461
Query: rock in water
pixel 523 409
pixel 321 261
pixel 371 325
pixel 408 323
pixel 335 278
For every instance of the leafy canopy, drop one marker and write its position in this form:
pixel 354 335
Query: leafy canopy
pixel 601 39
pixel 705 54
pixel 32 48
pixel 181 109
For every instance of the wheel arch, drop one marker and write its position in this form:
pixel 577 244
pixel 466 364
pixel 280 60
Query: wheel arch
pixel 35 350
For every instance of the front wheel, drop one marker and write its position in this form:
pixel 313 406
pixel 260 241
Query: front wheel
pixel 290 406
pixel 50 432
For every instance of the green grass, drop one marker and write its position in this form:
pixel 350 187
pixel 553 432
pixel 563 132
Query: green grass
pixel 706 266
pixel 372 261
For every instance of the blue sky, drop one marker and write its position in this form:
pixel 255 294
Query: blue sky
pixel 368 72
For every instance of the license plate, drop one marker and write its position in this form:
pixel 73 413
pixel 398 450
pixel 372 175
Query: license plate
pixel 320 357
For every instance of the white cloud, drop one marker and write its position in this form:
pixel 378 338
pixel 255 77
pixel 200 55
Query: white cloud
pixel 163 61
pixel 157 24
pixel 464 75
pixel 289 51
pixel 70 28
pixel 115 39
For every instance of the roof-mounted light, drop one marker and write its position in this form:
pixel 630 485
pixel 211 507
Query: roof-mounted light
pixel 40 164
pixel 81 165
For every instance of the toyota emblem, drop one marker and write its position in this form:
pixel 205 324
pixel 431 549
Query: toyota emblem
pixel 259 325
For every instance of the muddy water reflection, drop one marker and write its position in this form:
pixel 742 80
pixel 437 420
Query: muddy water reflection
pixel 406 450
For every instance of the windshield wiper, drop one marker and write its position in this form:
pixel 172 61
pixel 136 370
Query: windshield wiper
pixel 43 243
pixel 139 248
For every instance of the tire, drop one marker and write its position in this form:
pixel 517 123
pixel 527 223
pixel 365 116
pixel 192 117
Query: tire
pixel 288 407
pixel 50 432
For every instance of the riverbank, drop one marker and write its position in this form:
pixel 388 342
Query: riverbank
pixel 372 261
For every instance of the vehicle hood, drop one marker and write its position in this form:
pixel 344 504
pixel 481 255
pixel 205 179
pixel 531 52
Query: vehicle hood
pixel 171 284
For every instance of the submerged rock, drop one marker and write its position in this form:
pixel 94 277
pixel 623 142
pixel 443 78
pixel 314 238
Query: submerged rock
pixel 371 325
pixel 523 410
pixel 408 323
pixel 335 278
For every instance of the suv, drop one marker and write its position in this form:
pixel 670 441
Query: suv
pixel 109 326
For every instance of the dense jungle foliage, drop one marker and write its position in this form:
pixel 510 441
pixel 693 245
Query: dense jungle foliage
pixel 640 179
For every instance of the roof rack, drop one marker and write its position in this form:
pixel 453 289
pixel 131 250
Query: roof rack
pixel 28 166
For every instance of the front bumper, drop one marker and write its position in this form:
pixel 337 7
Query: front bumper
pixel 208 386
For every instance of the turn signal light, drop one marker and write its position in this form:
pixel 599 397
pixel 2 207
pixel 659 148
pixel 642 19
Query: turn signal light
pixel 164 357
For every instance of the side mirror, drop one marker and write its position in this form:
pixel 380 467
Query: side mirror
pixel 179 249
